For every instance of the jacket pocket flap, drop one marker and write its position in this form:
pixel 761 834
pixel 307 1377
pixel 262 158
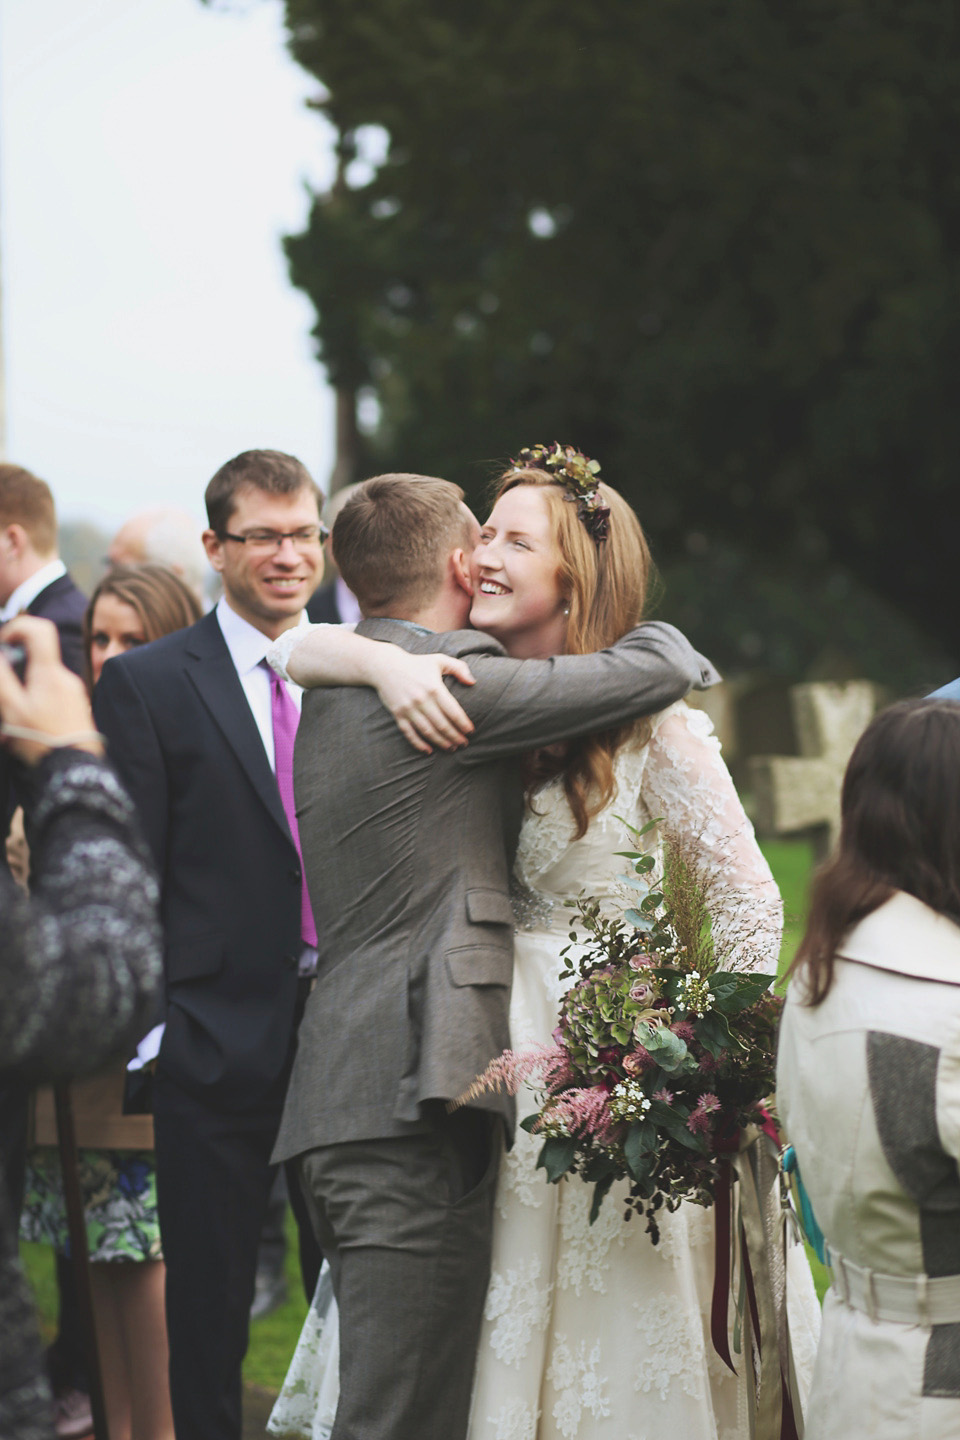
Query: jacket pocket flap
pixel 480 965
pixel 195 958
pixel 489 907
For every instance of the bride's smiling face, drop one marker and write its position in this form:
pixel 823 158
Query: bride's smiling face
pixel 515 571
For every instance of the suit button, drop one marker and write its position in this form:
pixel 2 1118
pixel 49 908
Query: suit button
pixel 292 962
pixel 296 877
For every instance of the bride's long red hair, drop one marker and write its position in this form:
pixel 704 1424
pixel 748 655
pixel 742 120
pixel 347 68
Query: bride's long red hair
pixel 606 588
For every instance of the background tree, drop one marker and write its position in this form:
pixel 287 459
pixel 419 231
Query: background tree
pixel 713 244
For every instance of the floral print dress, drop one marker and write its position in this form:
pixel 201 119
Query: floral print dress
pixel 119 1189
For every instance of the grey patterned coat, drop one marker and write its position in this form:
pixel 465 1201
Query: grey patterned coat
pixel 868 1086
pixel 80 963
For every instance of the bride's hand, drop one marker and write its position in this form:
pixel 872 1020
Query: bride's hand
pixel 411 687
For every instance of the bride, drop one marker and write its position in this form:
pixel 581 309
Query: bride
pixel 590 1331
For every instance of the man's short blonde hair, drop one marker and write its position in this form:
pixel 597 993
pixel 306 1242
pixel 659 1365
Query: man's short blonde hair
pixel 27 501
pixel 393 537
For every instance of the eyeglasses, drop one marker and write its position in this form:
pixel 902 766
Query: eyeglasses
pixel 269 541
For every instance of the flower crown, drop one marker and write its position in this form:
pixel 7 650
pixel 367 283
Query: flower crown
pixel 578 475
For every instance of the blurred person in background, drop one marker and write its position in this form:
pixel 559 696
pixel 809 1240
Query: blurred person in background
pixel 131 606
pixel 80 958
pixel 868 1084
pixel 33 578
pixel 164 536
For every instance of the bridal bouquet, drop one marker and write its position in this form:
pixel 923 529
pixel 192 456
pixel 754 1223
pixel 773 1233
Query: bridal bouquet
pixel 662 1055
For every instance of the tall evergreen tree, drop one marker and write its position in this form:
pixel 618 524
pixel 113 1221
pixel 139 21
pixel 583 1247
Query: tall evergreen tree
pixel 714 244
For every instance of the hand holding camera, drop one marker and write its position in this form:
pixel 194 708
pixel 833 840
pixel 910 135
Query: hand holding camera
pixel 43 706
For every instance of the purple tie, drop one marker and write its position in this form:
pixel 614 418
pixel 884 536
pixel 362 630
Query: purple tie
pixel 286 718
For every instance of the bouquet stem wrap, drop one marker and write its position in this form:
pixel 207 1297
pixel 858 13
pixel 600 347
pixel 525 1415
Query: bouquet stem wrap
pixel 750 1264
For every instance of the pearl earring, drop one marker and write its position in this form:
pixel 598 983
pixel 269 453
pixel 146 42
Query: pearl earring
pixel 566 609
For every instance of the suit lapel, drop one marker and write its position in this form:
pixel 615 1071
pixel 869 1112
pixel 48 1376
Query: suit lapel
pixel 212 673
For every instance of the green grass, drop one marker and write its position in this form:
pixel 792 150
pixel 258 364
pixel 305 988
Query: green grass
pixel 273 1339
pixel 791 862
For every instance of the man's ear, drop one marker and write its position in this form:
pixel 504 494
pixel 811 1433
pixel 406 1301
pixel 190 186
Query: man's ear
pixel 214 548
pixel 13 538
pixel 460 569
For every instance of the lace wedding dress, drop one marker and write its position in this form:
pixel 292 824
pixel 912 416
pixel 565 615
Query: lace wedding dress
pixel 591 1332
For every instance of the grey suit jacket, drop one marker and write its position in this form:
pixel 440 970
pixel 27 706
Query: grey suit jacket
pixel 408 860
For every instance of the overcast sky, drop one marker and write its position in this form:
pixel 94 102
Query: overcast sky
pixel 152 152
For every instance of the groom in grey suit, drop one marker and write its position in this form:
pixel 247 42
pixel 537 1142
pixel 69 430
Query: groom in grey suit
pixel 408 859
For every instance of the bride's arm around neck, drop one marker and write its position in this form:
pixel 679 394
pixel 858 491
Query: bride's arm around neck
pixel 409 686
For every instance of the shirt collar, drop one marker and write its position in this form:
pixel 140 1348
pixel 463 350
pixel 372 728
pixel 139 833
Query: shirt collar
pixel 248 646
pixel 28 590
pixel 408 625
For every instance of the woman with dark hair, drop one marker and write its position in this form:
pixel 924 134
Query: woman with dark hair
pixel 869 1084
pixel 132 605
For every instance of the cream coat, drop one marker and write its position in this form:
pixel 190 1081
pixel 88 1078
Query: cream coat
pixel 869 1093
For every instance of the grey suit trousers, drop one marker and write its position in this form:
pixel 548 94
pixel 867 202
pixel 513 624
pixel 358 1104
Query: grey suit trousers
pixel 405 1225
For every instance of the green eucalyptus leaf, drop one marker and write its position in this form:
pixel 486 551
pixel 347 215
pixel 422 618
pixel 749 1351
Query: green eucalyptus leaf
pixel 638 1149
pixel 557 1156
pixel 733 993
pixel 714 1035
pixel 599 1191
pixel 667 1049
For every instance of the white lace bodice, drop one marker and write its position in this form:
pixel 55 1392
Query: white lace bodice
pixel 678 776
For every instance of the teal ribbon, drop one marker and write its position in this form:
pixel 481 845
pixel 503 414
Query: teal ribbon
pixel 808 1221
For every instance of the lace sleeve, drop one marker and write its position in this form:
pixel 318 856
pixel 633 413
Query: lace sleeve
pixel 278 655
pixel 280 650
pixel 687 782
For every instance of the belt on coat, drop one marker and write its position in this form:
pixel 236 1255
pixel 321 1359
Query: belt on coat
pixel 906 1299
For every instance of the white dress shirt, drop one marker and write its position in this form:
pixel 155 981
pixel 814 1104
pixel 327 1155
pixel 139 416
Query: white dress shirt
pixel 29 589
pixel 248 649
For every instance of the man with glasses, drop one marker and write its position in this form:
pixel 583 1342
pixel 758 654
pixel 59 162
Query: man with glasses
pixel 202 732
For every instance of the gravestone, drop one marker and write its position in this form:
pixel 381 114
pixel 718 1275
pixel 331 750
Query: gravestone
pixel 802 792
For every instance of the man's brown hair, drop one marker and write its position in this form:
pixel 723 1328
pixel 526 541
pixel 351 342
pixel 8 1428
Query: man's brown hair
pixel 392 539
pixel 268 470
pixel 27 501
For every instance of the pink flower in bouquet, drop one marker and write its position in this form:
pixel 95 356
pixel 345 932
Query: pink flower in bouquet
pixel 643 992
pixel 664 1096
pixel 683 1031
pixel 550 1064
pixel 699 1121
pixel 640 962
pixel 583 1112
